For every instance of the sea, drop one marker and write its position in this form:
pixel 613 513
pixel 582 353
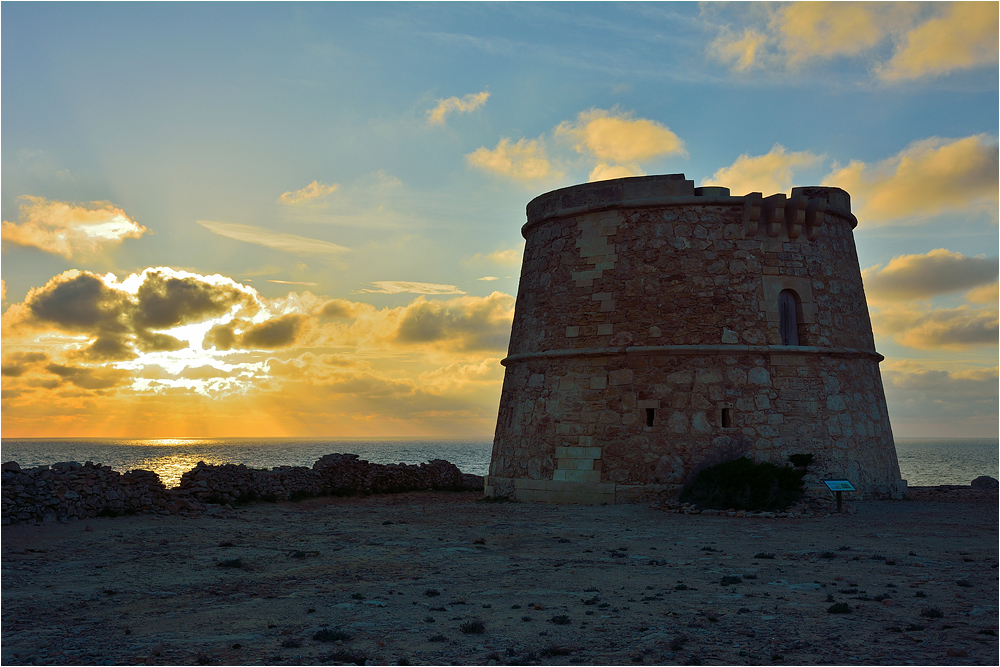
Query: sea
pixel 922 461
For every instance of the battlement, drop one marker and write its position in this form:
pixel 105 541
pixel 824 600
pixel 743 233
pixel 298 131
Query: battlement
pixel 777 215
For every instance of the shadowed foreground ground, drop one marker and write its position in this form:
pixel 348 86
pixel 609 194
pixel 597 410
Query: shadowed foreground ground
pixel 550 584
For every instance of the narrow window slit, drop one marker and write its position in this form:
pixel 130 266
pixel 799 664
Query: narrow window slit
pixel 727 417
pixel 650 416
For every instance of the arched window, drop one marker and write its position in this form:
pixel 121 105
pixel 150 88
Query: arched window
pixel 788 318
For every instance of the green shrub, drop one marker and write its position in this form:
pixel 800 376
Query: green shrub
pixel 743 484
pixel 800 460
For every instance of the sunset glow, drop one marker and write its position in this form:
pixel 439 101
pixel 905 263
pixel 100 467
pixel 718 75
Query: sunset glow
pixel 296 220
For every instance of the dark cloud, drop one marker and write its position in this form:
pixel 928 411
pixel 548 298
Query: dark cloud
pixel 279 332
pixel 17 364
pixel 468 323
pixel 268 335
pixel 932 401
pixel 87 378
pixel 931 328
pixel 121 324
pixel 336 309
pixel 78 301
pixel 222 337
pixel 149 341
pixel 108 347
pixel 922 276
pixel 165 302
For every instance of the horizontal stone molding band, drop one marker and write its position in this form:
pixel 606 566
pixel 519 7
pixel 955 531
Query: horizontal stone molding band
pixel 595 207
pixel 695 349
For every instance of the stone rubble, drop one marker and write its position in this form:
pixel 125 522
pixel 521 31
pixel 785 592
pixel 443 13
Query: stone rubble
pixel 69 490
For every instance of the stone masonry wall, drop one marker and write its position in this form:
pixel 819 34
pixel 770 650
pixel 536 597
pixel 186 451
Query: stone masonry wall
pixel 73 491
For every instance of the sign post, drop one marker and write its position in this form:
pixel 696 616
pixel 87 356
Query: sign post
pixel 838 486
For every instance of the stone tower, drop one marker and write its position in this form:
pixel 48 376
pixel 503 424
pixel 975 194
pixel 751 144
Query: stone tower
pixel 661 327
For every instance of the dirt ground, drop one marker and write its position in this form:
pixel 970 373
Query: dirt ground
pixel 445 578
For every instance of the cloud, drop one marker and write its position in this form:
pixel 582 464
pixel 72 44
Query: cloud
pixel 293 282
pixel 308 194
pixel 82 353
pixel 341 309
pixel 268 335
pixel 964 36
pixel 769 174
pixel 926 178
pixel 984 294
pixel 739 50
pixel 68 229
pixel 824 30
pixel 403 286
pixel 299 245
pixel 615 136
pixel 525 160
pixel 18 363
pixel 88 378
pixel 926 328
pixel 940 403
pixel 467 323
pixel 119 319
pixel 460 375
pixel 607 172
pixel 922 276
pixel 924 39
pixel 488 278
pixel 164 300
pixel 511 256
pixel 467 104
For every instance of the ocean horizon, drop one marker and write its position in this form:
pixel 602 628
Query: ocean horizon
pixel 922 461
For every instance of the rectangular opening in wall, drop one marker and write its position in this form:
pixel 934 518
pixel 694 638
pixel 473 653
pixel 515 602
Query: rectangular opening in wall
pixel 650 416
pixel 727 417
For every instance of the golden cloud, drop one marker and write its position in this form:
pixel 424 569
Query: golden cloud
pixel 87 353
pixel 511 256
pixel 964 36
pixel 607 172
pixel 928 177
pixel 926 39
pixel 770 173
pixel 926 328
pixel 922 276
pixel 467 104
pixel 69 229
pixel 524 160
pixel 308 194
pixel 811 30
pixel 739 50
pixel 614 136
pixel 984 294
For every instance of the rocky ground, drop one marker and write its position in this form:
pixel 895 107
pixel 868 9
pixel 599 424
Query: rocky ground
pixel 445 578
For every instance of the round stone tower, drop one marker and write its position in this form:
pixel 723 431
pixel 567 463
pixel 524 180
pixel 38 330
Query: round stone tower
pixel 660 328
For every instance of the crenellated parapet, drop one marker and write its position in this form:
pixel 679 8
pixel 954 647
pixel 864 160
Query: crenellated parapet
pixel 801 215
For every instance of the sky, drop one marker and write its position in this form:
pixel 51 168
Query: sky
pixel 303 220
